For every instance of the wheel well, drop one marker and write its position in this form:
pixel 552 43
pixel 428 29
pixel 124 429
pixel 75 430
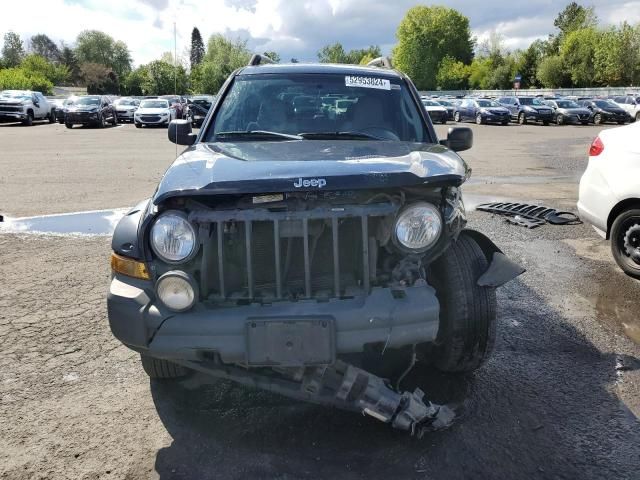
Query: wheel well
pixel 618 209
pixel 30 110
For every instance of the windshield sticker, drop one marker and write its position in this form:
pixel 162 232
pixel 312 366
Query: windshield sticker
pixel 367 82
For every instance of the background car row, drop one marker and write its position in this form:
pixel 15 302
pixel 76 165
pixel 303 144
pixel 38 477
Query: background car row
pixel 529 109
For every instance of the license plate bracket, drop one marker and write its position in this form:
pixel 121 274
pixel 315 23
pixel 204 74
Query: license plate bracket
pixel 290 342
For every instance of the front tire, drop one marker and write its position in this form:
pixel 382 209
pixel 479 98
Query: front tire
pixel 161 369
pixel 625 241
pixel 27 122
pixel 560 120
pixel 68 125
pixel 52 116
pixel 522 119
pixel 468 311
pixel 114 120
pixel 479 119
pixel 597 119
pixel 138 125
pixel 456 117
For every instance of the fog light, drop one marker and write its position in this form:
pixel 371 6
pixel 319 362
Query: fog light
pixel 175 290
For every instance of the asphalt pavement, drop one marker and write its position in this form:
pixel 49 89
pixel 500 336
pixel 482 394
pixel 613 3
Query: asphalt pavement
pixel 559 399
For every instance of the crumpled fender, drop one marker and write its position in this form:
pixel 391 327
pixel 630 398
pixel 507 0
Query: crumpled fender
pixel 501 269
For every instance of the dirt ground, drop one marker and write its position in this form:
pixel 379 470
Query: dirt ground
pixel 560 398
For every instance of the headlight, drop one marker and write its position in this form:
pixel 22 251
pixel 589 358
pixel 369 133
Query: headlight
pixel 175 290
pixel 418 226
pixel 173 238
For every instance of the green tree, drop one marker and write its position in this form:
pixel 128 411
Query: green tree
pixel 197 48
pixel 333 53
pixel 19 79
pixel 38 65
pixel 69 60
pixel 479 73
pixel 93 46
pixel 425 36
pixel 133 82
pixel 578 51
pixel 99 79
pixel 551 73
pixel 223 57
pixel 452 74
pixel 528 63
pixel 573 17
pixel 617 56
pixel 12 50
pixel 273 56
pixel 42 45
pixel 163 78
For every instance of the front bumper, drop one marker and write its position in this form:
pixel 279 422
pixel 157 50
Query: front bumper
pixel 13 116
pixel 125 115
pixel 151 120
pixel 538 117
pixel 402 317
pixel 495 118
pixel 75 118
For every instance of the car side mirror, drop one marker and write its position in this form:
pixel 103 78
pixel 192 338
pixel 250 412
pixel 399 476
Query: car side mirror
pixel 179 132
pixel 36 104
pixel 458 139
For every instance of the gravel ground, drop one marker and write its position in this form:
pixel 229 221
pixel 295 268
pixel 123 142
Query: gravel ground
pixel 559 399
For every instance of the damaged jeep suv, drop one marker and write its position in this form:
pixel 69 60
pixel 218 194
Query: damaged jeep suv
pixel 311 241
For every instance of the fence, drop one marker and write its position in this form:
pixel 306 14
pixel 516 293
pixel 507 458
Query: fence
pixel 561 92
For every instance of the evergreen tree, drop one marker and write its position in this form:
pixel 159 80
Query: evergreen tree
pixel 197 48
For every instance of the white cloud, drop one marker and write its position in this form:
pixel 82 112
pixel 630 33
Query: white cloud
pixel 293 28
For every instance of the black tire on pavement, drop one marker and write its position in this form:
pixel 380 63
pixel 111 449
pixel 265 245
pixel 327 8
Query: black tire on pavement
pixel 625 241
pixel 456 117
pixel 444 121
pixel 161 369
pixel 114 120
pixel 585 123
pixel 468 311
pixel 505 122
pixel 560 120
pixel 638 117
pixel 52 116
pixel 479 119
pixel 597 119
pixel 27 122
pixel 68 125
pixel 522 119
pixel 545 123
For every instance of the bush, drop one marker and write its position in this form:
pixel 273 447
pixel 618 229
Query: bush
pixel 19 79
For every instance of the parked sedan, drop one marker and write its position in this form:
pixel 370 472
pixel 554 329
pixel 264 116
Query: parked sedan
pixel 610 193
pixel 154 112
pixel 437 112
pixel 125 108
pixel 527 109
pixel 603 111
pixel 90 110
pixel 481 110
pixel 568 111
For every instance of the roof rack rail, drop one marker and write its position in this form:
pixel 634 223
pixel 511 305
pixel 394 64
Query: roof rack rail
pixel 384 62
pixel 258 59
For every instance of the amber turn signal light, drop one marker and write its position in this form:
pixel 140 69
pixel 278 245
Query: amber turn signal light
pixel 129 267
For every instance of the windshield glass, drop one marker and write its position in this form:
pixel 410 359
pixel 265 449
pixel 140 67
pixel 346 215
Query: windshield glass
pixel 88 101
pixel 445 103
pixel 531 101
pixel 488 103
pixel 154 104
pixel 430 103
pixel 127 101
pixel 604 104
pixel 327 103
pixel 16 95
pixel 567 104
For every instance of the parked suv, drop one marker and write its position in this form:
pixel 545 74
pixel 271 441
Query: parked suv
pixel 528 109
pixel 94 110
pixel 25 106
pixel 310 252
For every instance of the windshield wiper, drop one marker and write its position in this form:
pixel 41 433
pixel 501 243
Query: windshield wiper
pixel 257 134
pixel 341 135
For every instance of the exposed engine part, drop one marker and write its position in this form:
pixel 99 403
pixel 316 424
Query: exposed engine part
pixel 408 270
pixel 530 216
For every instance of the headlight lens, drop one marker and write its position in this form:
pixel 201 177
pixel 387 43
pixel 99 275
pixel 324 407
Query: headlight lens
pixel 418 226
pixel 173 238
pixel 175 291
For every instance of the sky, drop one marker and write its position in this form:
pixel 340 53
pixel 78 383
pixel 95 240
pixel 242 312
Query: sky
pixel 293 28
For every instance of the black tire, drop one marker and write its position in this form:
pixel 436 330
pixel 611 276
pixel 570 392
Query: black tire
pixel 138 125
pixel 52 116
pixel 114 120
pixel 597 119
pixel 468 311
pixel 444 121
pixel 27 122
pixel 560 119
pixel 522 119
pixel 68 125
pixel 505 123
pixel 545 123
pixel 479 120
pixel 456 117
pixel 101 122
pixel 621 122
pixel 638 117
pixel 625 241
pixel 585 123
pixel 161 369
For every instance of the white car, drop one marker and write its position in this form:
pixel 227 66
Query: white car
pixel 437 112
pixel 154 111
pixel 610 193
pixel 630 104
pixel 126 108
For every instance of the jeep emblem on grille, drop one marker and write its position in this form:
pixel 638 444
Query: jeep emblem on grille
pixel 313 182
